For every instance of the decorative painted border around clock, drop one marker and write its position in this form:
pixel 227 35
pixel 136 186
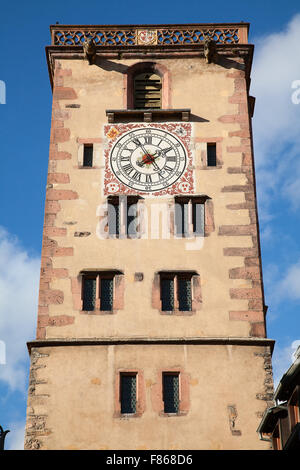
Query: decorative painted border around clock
pixel 183 132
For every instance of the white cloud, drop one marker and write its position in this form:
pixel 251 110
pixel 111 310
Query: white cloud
pixel 19 276
pixel 283 359
pixel 276 122
pixel 276 66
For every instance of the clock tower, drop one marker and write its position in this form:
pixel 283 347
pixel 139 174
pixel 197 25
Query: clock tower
pixel 151 327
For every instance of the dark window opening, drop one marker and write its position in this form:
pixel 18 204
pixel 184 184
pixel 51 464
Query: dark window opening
pixel 88 155
pixel 211 154
pixel 128 393
pixel 106 293
pixel 184 294
pixel 89 293
pixel 167 294
pixel 171 392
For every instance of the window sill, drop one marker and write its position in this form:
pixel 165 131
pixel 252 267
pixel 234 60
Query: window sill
pixel 177 312
pixel 98 312
pixel 173 415
pixel 120 415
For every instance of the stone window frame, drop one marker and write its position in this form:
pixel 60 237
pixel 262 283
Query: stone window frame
pixel 190 200
pixel 140 393
pixel 169 374
pixel 118 290
pixel 96 143
pixel 195 291
pixel 209 224
pixel 203 142
pixel 144 67
pixel 184 392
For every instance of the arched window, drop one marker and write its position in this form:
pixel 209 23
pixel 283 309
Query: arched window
pixel 147 86
pixel 147 91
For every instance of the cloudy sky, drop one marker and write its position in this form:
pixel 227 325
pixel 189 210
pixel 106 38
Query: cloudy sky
pixel 25 110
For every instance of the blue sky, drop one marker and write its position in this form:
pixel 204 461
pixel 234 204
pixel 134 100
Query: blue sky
pixel 24 146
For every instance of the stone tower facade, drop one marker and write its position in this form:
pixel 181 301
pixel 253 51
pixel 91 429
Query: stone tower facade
pixel 151 330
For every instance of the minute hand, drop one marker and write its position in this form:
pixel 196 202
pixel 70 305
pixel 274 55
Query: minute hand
pixel 139 144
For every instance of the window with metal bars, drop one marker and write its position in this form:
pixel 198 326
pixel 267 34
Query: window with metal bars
pixel 167 293
pixel 89 293
pixel 88 155
pixel 147 91
pixel 176 292
pixel 184 294
pixel 98 292
pixel 128 390
pixel 171 392
pixel 106 293
pixel 189 216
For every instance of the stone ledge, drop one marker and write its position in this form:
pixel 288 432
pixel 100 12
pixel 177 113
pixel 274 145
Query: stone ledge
pixel 247 341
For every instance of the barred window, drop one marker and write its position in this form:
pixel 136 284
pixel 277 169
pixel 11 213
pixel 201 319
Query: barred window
pixel 98 291
pixel 89 293
pixel 176 291
pixel 106 293
pixel 147 91
pixel 128 393
pixel 171 392
pixel 167 293
pixel 184 294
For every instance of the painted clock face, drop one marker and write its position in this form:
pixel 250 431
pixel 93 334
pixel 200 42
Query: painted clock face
pixel 148 159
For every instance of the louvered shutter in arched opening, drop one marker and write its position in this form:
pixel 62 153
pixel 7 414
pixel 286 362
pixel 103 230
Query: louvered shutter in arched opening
pixel 147 91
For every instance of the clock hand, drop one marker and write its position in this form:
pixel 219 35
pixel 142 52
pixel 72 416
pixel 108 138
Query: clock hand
pixel 139 144
pixel 155 165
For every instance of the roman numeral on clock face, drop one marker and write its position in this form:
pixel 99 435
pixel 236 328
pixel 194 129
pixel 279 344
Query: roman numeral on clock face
pixel 136 176
pixel 148 139
pixel 168 168
pixel 127 168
